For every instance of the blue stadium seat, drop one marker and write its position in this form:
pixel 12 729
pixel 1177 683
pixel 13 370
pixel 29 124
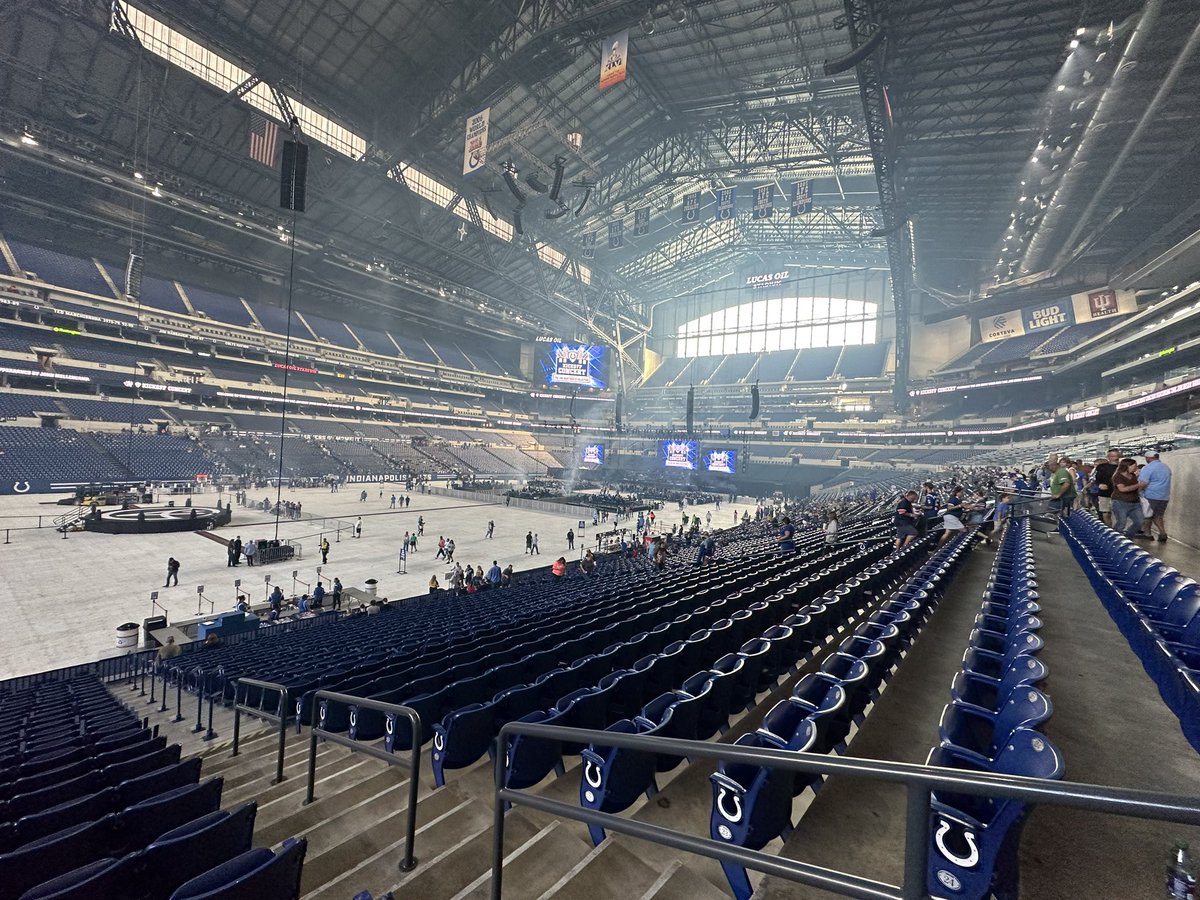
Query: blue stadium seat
pixel 971 730
pixel 251 876
pixel 612 779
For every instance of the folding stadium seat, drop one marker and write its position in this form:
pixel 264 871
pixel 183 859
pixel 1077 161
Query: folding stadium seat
pixel 679 714
pixel 989 664
pixel 756 652
pixel 974 840
pixel 143 787
pixel 752 805
pixel 251 876
pixel 971 730
pixel 136 826
pixel 531 759
pixel 988 693
pixel 855 676
pixel 826 702
pixel 628 691
pixel 462 738
pixel 65 815
pixel 612 779
pixel 786 647
pixel 101 878
pixel 992 642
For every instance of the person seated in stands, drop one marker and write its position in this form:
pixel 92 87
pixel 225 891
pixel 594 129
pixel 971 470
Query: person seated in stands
pixel 559 568
pixel 213 640
pixel 434 587
pixel 707 550
pixel 374 608
pixel 588 563
pixel 169 650
pixel 318 596
pixel 469 573
pixel 660 556
pixel 506 576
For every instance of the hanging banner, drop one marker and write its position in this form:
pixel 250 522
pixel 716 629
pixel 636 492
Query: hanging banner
pixel 802 197
pixel 1102 303
pixel 641 220
pixel 589 245
pixel 1055 314
pixel 613 60
pixel 691 208
pixel 999 327
pixel 616 235
pixel 764 202
pixel 475 147
pixel 726 204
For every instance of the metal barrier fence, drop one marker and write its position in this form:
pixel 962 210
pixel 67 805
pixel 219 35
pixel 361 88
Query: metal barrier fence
pixel 409 862
pixel 279 718
pixel 920 782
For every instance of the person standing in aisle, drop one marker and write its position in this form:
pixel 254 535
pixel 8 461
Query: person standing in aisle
pixel 1157 492
pixel 529 543
pixel 358 528
pixel 570 538
pixel 172 571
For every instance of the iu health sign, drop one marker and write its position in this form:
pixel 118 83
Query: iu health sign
pixel 678 454
pixel 724 461
pixel 593 455
pixel 577 364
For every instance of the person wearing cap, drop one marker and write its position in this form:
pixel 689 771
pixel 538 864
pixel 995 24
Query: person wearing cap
pixel 1157 477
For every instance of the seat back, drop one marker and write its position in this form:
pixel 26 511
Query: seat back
pixel 251 876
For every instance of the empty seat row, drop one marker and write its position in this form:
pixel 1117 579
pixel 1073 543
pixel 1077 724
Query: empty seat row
pixel 752 805
pixel 1156 608
pixel 991 725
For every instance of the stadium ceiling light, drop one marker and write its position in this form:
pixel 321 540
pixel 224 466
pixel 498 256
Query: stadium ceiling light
pixel 139 176
pixel 1061 88
pixel 647 21
pixel 29 140
pixel 1080 32
pixel 1074 43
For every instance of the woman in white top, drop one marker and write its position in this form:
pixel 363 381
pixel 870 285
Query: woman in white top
pixel 831 528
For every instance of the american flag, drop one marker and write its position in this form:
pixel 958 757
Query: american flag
pixel 264 138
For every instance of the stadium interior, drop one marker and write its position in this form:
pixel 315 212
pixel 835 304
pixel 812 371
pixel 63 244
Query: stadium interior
pixel 313 309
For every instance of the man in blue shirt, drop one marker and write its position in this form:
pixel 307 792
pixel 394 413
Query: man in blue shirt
pixel 787 535
pixel 494 574
pixel 1157 492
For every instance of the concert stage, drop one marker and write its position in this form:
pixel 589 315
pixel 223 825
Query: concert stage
pixel 156 519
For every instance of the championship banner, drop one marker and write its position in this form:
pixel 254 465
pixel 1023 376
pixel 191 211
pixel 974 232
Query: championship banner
pixel 802 197
pixel 589 245
pixel 678 454
pixel 764 202
pixel 726 204
pixel 592 455
pixel 1056 314
pixel 616 234
pixel 613 59
pixel 724 461
pixel 641 221
pixel 691 208
pixel 475 147
pixel 999 327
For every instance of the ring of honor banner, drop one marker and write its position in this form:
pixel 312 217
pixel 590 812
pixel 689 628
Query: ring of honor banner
pixel 691 208
pixel 475 148
pixel 802 197
pixel 724 461
pixel 577 364
pixel 589 245
pixel 613 60
pixel 764 202
pixel 678 454
pixel 641 221
pixel 592 455
pixel 1081 308
pixel 616 234
pixel 726 204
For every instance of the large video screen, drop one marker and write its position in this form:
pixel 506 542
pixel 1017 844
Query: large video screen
pixel 720 461
pixel 678 454
pixel 581 365
pixel 592 455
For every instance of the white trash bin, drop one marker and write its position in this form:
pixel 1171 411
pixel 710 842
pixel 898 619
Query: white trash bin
pixel 127 636
pixel 372 586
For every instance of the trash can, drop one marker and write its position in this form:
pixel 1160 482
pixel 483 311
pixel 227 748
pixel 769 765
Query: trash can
pixel 372 586
pixel 127 636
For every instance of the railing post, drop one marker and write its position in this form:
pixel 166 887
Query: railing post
pixel 237 721
pixel 916 843
pixel 178 697
pixel 199 708
pixel 283 715
pixel 312 763
pixel 210 734
pixel 153 678
pixel 501 772
pixel 410 861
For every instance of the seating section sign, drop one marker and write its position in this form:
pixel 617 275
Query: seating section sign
pixel 1077 309
pixel 724 461
pixel 678 454
pixel 592 455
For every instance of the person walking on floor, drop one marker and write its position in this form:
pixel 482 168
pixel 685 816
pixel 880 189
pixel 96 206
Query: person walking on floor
pixel 250 551
pixel 336 594
pixel 172 571
pixel 393 504
pixel 420 526
pixel 533 548
pixel 441 554
pixel 358 528
pixel 490 529
pixel 324 550
pixel 412 543
pixel 450 550
pixel 237 550
pixel 529 543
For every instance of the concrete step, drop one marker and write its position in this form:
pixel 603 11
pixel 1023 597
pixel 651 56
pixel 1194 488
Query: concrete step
pixel 678 882
pixel 535 865
pixel 435 836
pixel 358 833
pixel 251 764
pixel 346 784
pixel 463 862
pixel 609 872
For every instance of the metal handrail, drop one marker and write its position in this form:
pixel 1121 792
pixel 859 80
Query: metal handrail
pixel 919 780
pixel 409 862
pixel 281 719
